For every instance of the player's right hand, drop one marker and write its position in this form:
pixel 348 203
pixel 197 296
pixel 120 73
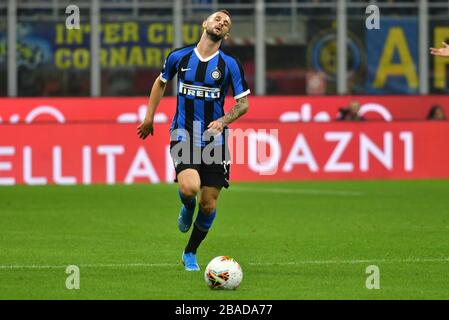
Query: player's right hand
pixel 144 129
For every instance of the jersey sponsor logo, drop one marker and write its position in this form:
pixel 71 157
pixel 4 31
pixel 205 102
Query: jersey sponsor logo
pixel 186 69
pixel 198 91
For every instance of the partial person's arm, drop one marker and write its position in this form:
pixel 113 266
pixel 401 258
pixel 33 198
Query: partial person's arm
pixel 157 92
pixel 236 112
pixel 441 52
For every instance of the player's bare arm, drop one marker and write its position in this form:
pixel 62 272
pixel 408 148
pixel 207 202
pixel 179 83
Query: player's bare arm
pixel 441 52
pixel 157 92
pixel 236 112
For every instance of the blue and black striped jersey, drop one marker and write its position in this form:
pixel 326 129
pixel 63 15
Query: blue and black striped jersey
pixel 202 86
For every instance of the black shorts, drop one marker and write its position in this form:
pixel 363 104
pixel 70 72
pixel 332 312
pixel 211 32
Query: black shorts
pixel 213 170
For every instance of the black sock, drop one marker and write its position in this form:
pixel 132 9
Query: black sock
pixel 195 239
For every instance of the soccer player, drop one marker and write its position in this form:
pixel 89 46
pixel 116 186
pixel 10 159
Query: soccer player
pixel 197 135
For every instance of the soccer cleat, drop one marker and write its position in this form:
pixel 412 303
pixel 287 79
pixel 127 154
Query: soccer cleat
pixel 189 261
pixel 185 219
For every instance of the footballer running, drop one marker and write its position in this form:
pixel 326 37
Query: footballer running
pixel 198 144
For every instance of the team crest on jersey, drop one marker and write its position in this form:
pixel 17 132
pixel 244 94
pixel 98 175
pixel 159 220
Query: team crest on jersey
pixel 216 74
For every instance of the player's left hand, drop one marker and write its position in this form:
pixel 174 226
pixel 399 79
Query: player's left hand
pixel 216 127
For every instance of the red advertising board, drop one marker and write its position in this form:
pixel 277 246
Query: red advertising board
pixel 86 153
pixel 274 108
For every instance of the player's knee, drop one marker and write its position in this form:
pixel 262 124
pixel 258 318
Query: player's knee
pixel 207 206
pixel 188 189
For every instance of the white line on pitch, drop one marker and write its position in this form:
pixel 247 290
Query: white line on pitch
pixel 300 191
pixel 100 265
pixel 155 265
pixel 411 260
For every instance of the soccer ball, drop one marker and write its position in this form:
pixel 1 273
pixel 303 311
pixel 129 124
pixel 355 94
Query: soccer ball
pixel 223 273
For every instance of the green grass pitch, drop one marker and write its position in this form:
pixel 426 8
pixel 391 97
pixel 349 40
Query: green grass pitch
pixel 294 240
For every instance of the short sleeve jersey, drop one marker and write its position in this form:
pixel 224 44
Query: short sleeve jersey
pixel 202 86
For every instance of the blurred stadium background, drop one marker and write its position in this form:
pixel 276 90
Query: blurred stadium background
pixel 70 102
pixel 284 45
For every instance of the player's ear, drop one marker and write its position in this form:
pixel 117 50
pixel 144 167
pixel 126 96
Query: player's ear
pixel 227 35
pixel 204 25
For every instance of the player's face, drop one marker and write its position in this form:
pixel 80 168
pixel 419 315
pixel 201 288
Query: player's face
pixel 217 26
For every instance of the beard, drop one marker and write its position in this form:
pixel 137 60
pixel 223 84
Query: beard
pixel 214 37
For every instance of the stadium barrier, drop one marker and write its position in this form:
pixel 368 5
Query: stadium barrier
pixel 270 108
pixel 85 141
